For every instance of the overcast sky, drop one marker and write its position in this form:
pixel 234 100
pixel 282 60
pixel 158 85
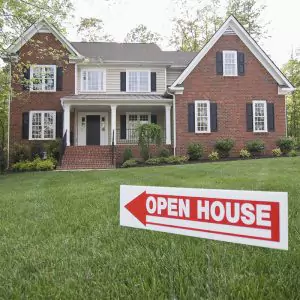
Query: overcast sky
pixel 123 15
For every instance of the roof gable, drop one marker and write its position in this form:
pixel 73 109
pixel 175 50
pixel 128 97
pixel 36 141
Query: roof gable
pixel 232 25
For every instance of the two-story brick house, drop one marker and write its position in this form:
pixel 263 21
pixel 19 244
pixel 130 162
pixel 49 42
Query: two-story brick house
pixel 95 94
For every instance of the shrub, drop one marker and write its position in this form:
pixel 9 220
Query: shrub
pixel 244 154
pixel 130 163
pixel 127 155
pixel 293 153
pixel 195 151
pixel 276 152
pixel 224 146
pixel 36 165
pixel 37 149
pixel 20 152
pixel 174 160
pixel 255 147
pixel 53 148
pixel 153 161
pixel 164 152
pixel 214 156
pixel 285 144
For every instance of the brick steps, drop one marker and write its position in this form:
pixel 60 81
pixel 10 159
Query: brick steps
pixel 87 157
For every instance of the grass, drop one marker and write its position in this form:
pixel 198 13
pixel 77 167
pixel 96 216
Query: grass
pixel 60 238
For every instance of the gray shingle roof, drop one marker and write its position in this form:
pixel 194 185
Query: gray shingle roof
pixel 132 52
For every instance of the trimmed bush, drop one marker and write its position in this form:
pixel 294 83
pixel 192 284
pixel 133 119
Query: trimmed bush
pixel 293 153
pixel 244 154
pixel 36 165
pixel 174 160
pixel 130 163
pixel 213 156
pixel 255 147
pixel 153 161
pixel 164 152
pixel 127 155
pixel 285 144
pixel 276 152
pixel 195 151
pixel 224 147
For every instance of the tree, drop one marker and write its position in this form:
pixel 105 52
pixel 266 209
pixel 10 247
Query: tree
pixel 92 30
pixel 249 14
pixel 141 34
pixel 292 70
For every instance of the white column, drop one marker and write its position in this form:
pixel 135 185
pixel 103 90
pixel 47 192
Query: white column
pixel 113 120
pixel 67 122
pixel 168 124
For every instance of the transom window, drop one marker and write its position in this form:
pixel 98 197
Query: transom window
pixel 138 81
pixel 133 121
pixel 202 116
pixel 93 80
pixel 260 116
pixel 43 78
pixel 42 125
pixel 230 63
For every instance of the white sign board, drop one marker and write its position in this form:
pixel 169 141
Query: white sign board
pixel 244 217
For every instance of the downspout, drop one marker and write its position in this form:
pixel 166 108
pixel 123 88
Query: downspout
pixel 8 115
pixel 174 121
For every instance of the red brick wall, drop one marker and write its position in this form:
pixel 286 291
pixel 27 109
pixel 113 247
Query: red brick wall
pixel 231 94
pixel 23 101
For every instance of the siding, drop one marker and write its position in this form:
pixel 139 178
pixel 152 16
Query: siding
pixel 172 75
pixel 113 78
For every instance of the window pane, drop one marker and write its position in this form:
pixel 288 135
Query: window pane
pixel 144 81
pixel 94 81
pixel 138 81
pixel 49 125
pixel 259 117
pixel 36 125
pixel 37 78
pixel 43 78
pixel 230 63
pixel 202 116
pixel 133 82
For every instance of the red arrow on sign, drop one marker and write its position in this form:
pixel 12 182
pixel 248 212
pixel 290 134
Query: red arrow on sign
pixel 137 207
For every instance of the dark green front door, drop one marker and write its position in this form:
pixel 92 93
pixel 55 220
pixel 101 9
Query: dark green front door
pixel 92 130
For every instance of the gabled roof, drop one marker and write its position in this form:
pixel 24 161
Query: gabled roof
pixel 233 25
pixel 40 26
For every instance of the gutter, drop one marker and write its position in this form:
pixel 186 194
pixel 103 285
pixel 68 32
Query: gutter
pixel 174 121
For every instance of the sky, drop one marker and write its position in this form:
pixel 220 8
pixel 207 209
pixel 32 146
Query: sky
pixel 120 16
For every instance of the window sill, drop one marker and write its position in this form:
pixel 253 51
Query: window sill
pixel 35 91
pixel 52 139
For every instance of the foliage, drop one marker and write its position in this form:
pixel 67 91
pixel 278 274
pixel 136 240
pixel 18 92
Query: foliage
pixel 164 152
pixel 20 152
pixel 224 146
pixel 195 151
pixel 245 154
pixel 214 156
pixel 255 147
pixel 147 135
pixel 53 148
pixel 153 161
pixel 276 152
pixel 175 160
pixel 285 144
pixel 130 163
pixel 141 34
pixel 293 153
pixel 36 165
pixel 127 155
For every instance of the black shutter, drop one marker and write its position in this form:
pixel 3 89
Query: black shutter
pixel 191 117
pixel 123 127
pixel 123 81
pixel 219 63
pixel 153 81
pixel 26 83
pixel 25 125
pixel 59 124
pixel 154 119
pixel 213 117
pixel 249 116
pixel 271 117
pixel 241 63
pixel 59 79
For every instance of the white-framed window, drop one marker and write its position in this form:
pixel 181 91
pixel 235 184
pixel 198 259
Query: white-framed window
pixel 230 63
pixel 202 116
pixel 260 123
pixel 43 78
pixel 138 81
pixel 93 80
pixel 133 120
pixel 42 125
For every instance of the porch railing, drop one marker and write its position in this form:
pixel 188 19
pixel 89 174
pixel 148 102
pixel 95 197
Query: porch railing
pixel 131 136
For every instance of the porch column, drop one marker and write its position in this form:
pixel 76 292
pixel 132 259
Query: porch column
pixel 67 123
pixel 168 124
pixel 113 120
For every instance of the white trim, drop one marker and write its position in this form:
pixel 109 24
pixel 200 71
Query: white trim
pixel 102 70
pixel 76 79
pixel 138 71
pixel 208 116
pixel 264 102
pixel 42 112
pixel 31 78
pixel 249 42
pixel 236 63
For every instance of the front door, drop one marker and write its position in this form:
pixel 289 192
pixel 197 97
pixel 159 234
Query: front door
pixel 93 130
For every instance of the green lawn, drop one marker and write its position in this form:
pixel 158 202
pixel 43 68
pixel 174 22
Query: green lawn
pixel 60 238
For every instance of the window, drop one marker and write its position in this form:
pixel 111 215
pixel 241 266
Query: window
pixel 42 125
pixel 43 78
pixel 230 63
pixel 138 81
pixel 133 121
pixel 93 80
pixel 202 116
pixel 260 116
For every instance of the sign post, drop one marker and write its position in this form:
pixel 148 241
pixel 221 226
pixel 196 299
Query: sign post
pixel 244 217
